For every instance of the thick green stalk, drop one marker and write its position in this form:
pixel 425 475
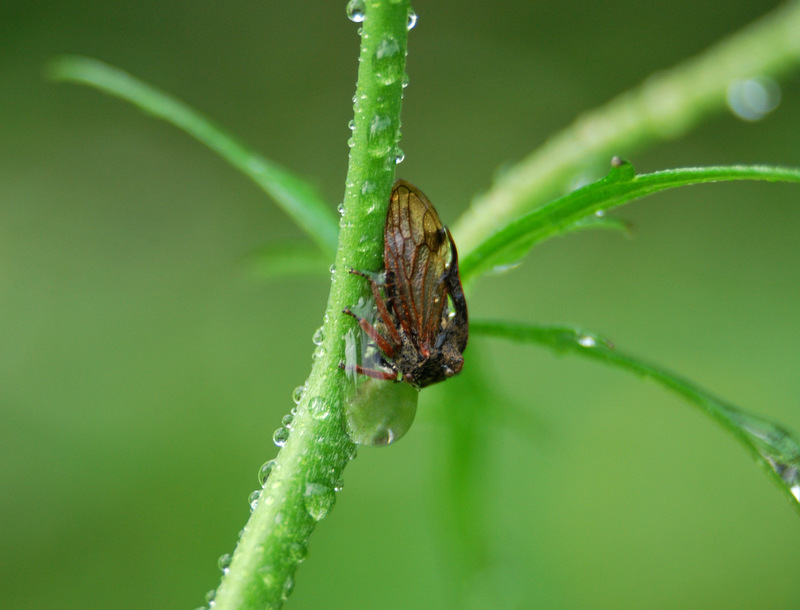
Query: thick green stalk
pixel 664 107
pixel 301 487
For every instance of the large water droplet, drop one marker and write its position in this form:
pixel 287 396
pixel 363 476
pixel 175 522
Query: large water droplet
pixel 264 472
pixel 281 436
pixel 318 499
pixel 753 98
pixel 380 412
pixel 356 10
pixel 388 62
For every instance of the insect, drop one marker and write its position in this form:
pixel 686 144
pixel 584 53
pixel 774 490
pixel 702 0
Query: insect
pixel 421 337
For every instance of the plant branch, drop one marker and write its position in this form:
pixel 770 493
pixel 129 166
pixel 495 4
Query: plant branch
pixel 664 107
pixel 300 489
pixel 297 198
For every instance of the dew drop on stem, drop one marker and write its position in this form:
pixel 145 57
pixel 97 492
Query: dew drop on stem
pixel 356 10
pixel 319 500
pixel 264 472
pixel 280 436
pixel 412 19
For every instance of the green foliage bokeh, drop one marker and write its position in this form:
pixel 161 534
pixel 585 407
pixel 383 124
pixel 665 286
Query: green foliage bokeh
pixel 143 371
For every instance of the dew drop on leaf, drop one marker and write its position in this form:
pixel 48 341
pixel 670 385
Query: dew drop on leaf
pixel 780 451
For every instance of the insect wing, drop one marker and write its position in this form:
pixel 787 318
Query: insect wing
pixel 416 253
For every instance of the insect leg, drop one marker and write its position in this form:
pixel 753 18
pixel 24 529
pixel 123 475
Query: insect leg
pixel 380 303
pixel 372 332
pixel 374 373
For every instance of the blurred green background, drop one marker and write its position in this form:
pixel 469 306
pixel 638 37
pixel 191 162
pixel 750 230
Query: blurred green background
pixel 142 371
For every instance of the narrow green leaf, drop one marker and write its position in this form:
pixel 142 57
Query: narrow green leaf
pixel 297 198
pixel 508 245
pixel 287 259
pixel 769 444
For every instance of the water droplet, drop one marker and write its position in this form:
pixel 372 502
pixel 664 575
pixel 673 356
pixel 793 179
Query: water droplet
pixel 319 352
pixel 281 436
pixel 267 575
pixel 332 268
pixel 264 472
pixel 297 395
pixel 224 562
pixel 506 267
pixel 412 19
pixel 381 135
pixel 380 413
pixel 287 420
pixel 356 10
pixel 319 408
pixel 388 61
pixel 352 124
pixel 338 484
pixel 404 82
pixel 253 498
pixel 351 142
pixel 340 208
pixel 780 451
pixel 210 596
pixel 318 499
pixel 288 587
pixel 399 155
pixel 752 99
pixel 319 336
pixel 587 341
pixel 298 551
pixel 368 187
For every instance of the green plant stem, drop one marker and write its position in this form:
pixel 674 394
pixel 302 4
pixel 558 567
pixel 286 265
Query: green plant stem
pixel 300 489
pixel 664 107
